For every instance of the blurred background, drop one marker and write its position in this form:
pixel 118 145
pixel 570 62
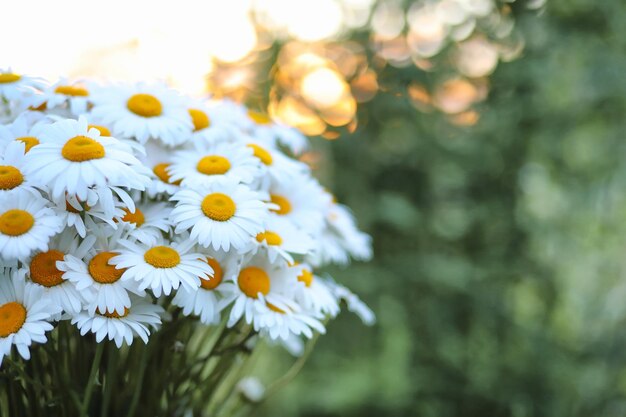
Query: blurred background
pixel 480 142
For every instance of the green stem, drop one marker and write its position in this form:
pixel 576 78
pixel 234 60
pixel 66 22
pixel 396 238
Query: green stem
pixel 139 386
pixel 294 370
pixel 112 360
pixel 92 379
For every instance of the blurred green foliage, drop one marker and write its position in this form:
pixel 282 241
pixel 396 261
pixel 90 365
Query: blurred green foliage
pixel 499 273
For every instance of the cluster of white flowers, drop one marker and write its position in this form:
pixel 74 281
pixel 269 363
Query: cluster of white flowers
pixel 119 200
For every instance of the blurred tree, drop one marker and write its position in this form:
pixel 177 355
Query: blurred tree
pixel 499 272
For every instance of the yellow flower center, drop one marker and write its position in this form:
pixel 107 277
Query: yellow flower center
pixel 81 149
pixel 252 281
pixel 218 207
pixel 10 177
pixel 270 237
pixel 218 274
pixel 306 276
pixel 261 153
pixel 213 165
pixel 162 257
pixel 145 105
pixel 104 131
pixel 114 314
pixel 16 222
pixel 12 317
pixel 29 141
pixel 160 170
pixel 274 308
pixel 200 119
pixel 43 268
pixel 9 78
pixel 284 206
pixel 41 107
pixel 137 218
pixel 101 271
pixel 259 118
pixel 71 209
pixel 72 90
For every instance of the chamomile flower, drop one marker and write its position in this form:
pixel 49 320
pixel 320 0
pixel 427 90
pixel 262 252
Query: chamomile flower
pixel 328 249
pixel 209 126
pixel 64 94
pixel 25 316
pixel 25 129
pixel 279 168
pixel 208 162
pixel 12 173
pixel 282 323
pixel 43 272
pixel 358 244
pixel 158 159
pixel 204 301
pixel 340 239
pixel 148 222
pixel 281 239
pixel 14 86
pixel 221 214
pixel 252 288
pixel 161 267
pixel 81 216
pixel 302 201
pixel 144 112
pixel 99 281
pixel 354 303
pixel 312 292
pixel 73 159
pixel 26 224
pixel 273 132
pixel 136 320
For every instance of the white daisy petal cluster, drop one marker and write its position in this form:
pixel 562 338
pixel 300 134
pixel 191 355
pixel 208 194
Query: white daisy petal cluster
pixel 119 203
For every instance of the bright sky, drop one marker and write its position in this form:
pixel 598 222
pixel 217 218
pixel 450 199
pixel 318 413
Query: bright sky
pixel 150 39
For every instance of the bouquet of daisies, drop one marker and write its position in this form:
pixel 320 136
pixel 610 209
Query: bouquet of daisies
pixel 128 211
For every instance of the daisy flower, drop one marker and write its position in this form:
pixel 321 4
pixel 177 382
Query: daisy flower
pixel 144 112
pixel 302 201
pixel 82 216
pixel 98 280
pixel 158 159
pixel 357 243
pixel 281 238
pixel 208 125
pixel 136 320
pixel 148 222
pixel 271 131
pixel 24 130
pixel 14 86
pixel 12 173
pixel 73 159
pixel 220 214
pixel 214 161
pixel 25 316
pixel 161 266
pixel 328 250
pixel 204 301
pixel 64 94
pixel 43 272
pixel 279 168
pixel 313 293
pixel 354 303
pixel 282 323
pixel 26 224
pixel 251 289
